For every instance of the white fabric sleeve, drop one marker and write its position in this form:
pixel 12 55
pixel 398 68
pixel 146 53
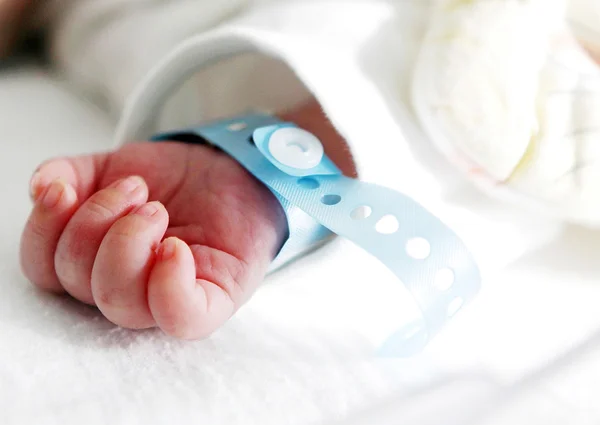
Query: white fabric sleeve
pixel 361 76
pixel 105 47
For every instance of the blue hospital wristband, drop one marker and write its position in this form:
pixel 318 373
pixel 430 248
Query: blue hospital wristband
pixel 424 254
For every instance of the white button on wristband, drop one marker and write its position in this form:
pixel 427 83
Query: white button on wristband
pixel 292 150
pixel 425 255
pixel 295 148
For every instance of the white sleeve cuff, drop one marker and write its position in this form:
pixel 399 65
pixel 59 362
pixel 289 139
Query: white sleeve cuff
pixel 360 76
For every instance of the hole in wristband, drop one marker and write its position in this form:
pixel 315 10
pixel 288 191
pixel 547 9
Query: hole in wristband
pixel 444 279
pixel 237 126
pixel 331 199
pixel 454 306
pixel 308 183
pixel 251 140
pixel 418 248
pixel 361 213
pixel 387 225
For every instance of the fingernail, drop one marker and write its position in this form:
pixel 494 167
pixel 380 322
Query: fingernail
pixel 167 249
pixel 35 186
pixel 147 210
pixel 53 194
pixel 129 184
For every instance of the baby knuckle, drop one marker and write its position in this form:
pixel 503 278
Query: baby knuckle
pixel 102 206
pixel 128 228
pixel 113 297
pixel 171 325
pixel 38 231
pixel 182 329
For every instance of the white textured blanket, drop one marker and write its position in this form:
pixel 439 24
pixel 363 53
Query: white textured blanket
pixel 61 363
pixel 526 352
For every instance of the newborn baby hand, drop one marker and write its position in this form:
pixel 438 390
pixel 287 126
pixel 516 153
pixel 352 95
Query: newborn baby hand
pixel 163 234
pixel 160 234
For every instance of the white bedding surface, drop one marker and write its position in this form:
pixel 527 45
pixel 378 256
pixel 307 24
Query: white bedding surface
pixel 526 352
pixel 62 363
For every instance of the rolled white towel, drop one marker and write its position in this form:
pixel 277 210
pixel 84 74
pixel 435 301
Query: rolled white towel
pixel 506 91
